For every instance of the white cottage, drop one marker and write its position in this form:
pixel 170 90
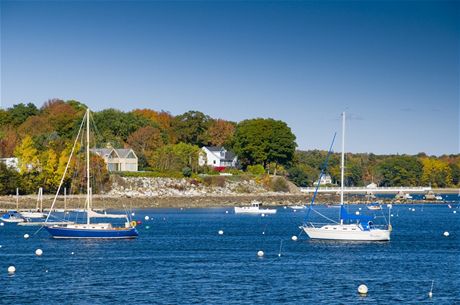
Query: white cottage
pixel 325 179
pixel 217 156
pixel 123 160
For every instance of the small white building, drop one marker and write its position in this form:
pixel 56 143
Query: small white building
pixel 371 185
pixel 123 160
pixel 12 163
pixel 325 179
pixel 217 156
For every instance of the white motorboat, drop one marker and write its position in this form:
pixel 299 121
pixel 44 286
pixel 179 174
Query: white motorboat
pixel 254 209
pixel 352 227
pixel 374 207
pixel 297 207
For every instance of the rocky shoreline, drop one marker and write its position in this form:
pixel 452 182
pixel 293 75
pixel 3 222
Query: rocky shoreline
pixel 143 193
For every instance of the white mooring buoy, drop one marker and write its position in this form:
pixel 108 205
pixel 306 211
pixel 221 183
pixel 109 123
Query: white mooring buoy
pixel 260 253
pixel 226 212
pixel 38 252
pixel 446 234
pixel 2 224
pixel 294 238
pixel 430 294
pixel 147 217
pixel 357 212
pixel 221 232
pixel 362 289
pixel 26 236
pixel 11 269
pixel 132 214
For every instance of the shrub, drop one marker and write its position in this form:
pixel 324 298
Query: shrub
pixel 187 172
pixel 256 169
pixel 279 184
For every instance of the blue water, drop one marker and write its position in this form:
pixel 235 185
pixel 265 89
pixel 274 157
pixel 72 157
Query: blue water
pixel 180 258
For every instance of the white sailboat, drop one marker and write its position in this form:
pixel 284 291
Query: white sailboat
pixel 38 212
pixel 350 227
pixel 90 229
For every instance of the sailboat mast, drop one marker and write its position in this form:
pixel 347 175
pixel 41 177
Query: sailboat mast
pixel 87 168
pixel 342 163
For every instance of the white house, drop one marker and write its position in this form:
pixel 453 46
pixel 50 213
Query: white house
pixel 325 179
pixel 124 160
pixel 12 163
pixel 217 156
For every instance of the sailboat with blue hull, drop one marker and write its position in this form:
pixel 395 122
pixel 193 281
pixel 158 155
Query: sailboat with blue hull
pixel 351 227
pixel 89 229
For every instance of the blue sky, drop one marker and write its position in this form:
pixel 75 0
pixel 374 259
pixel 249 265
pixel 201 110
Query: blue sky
pixel 393 66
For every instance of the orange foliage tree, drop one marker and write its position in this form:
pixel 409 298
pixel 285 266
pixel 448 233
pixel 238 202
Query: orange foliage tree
pixel 220 132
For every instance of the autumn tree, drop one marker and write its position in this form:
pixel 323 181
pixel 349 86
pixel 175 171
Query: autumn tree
pixel 62 117
pixel 27 155
pixel 145 141
pixel 436 173
pixel 8 141
pixel 220 132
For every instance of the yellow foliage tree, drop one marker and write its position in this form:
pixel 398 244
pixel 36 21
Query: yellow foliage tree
pixel 436 173
pixel 27 155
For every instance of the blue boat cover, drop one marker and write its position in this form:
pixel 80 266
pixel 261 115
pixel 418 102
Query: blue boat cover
pixel 344 215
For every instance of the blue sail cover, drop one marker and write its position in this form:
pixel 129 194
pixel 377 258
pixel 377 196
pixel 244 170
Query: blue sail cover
pixel 344 215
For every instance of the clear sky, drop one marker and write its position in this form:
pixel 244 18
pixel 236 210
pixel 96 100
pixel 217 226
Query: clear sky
pixel 393 66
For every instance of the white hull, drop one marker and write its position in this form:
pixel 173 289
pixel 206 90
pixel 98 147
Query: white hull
pixel 252 210
pixel 33 215
pixel 12 220
pixel 298 207
pixel 346 232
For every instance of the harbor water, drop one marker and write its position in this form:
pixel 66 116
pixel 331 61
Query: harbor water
pixel 180 258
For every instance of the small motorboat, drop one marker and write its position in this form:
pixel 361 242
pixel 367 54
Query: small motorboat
pixel 12 216
pixel 297 207
pixel 254 209
pixel 374 207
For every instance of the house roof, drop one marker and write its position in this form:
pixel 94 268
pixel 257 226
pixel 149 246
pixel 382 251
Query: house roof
pixel 228 156
pixel 214 148
pixel 121 152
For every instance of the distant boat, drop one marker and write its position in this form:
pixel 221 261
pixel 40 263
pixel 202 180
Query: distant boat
pixel 297 207
pixel 374 207
pixel 90 229
pixel 38 213
pixel 13 217
pixel 254 209
pixel 407 196
pixel 350 226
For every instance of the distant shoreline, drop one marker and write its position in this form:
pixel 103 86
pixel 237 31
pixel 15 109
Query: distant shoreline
pixel 144 202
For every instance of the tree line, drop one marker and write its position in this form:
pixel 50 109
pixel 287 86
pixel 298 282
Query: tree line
pixel 42 137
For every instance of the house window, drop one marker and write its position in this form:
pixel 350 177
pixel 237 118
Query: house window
pixel 214 161
pixel 113 167
pixel 131 156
